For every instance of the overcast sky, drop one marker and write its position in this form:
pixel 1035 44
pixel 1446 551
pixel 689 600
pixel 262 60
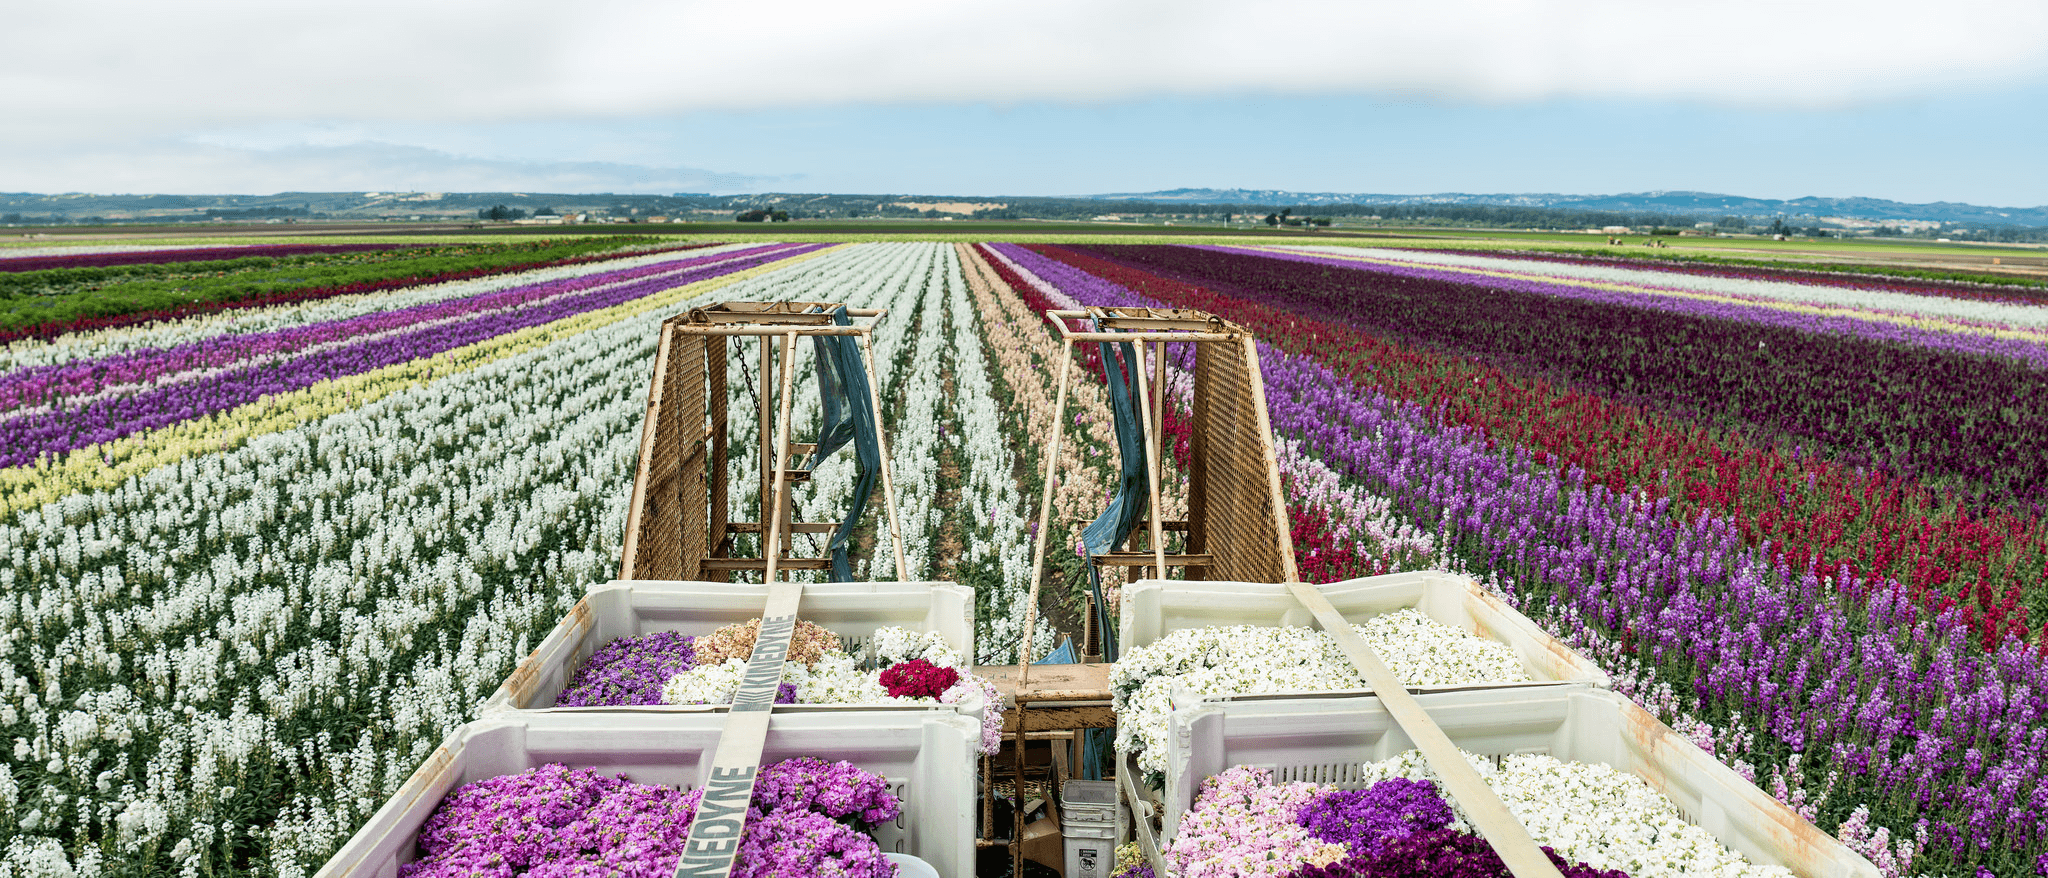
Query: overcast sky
pixel 1916 101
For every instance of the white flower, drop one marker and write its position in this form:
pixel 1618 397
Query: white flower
pixel 707 684
pixel 1248 659
pixel 1590 813
pixel 892 645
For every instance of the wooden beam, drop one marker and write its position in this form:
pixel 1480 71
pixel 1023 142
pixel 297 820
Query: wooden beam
pixel 1057 717
pixel 1146 559
pixel 805 527
pixel 762 563
pixel 1489 815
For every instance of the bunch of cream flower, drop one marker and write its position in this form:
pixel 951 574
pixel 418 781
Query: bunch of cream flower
pixel 1247 659
pixel 1594 814
pixel 836 677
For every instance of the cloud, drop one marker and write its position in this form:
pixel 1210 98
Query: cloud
pixel 98 68
pixel 191 168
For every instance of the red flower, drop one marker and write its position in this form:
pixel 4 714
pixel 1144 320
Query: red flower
pixel 918 678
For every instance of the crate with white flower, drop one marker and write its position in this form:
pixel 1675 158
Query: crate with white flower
pixel 1189 642
pixel 1326 787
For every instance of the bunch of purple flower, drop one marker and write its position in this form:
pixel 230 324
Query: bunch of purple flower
pixel 835 789
pixel 630 670
pixel 550 819
pixel 1438 853
pixel 808 818
pixel 1363 820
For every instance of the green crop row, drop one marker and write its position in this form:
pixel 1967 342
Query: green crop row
pixel 67 296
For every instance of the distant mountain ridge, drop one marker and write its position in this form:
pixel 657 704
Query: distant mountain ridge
pixel 1677 202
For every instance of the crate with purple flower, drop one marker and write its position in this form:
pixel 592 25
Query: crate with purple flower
pixel 563 768
pixel 658 621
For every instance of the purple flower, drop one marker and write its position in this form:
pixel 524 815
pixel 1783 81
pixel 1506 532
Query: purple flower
pixel 552 821
pixel 835 789
pixel 1364 820
pixel 1438 853
pixel 629 670
pixel 782 843
pixel 144 390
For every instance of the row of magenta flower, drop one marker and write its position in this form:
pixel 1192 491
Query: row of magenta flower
pixel 60 408
pixel 1897 703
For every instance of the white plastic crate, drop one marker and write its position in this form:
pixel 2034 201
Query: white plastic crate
pixel 1323 739
pixel 927 757
pixel 853 610
pixel 1154 608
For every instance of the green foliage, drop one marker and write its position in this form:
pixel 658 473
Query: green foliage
pixel 60 295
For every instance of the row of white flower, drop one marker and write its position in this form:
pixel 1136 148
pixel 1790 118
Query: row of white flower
pixel 319 606
pixel 994 513
pixel 26 353
pixel 1248 659
pixel 1997 314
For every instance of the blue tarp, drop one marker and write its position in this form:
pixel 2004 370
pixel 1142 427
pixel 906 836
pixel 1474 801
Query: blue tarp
pixel 849 415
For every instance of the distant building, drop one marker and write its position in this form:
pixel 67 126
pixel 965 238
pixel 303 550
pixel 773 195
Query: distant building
pixel 1614 230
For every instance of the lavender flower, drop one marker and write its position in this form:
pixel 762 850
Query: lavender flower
pixel 155 389
pixel 553 821
pixel 549 819
pixel 835 789
pixel 785 843
pixel 630 670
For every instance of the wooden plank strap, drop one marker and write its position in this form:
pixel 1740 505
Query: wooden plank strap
pixel 1489 815
pixel 721 819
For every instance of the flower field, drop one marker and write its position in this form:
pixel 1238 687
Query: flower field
pixel 257 561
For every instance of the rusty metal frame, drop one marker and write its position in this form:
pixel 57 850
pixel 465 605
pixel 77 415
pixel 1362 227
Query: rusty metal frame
pixel 676 523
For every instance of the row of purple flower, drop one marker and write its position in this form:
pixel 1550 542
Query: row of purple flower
pixel 51 384
pixel 2032 353
pixel 31 435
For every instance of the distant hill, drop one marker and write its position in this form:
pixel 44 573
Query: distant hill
pixel 1675 202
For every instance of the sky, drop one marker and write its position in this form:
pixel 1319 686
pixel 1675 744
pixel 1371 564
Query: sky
pixel 1914 102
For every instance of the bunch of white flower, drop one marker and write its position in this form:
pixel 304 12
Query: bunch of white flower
pixel 1246 659
pixel 709 684
pixel 891 644
pixel 838 680
pixel 1594 814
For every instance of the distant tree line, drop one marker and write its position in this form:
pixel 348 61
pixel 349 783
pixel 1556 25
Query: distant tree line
pixel 255 212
